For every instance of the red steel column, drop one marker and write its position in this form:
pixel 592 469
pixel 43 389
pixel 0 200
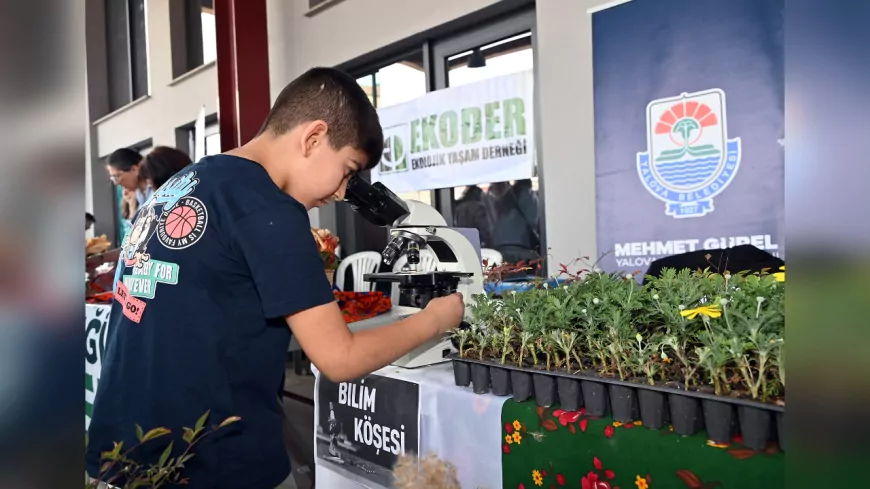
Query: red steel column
pixel 243 69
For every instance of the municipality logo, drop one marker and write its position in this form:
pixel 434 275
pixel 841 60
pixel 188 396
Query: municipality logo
pixel 689 158
pixel 394 159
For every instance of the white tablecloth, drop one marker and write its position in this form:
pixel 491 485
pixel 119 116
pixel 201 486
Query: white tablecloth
pixel 455 424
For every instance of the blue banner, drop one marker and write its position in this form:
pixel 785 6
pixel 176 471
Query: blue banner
pixel 689 128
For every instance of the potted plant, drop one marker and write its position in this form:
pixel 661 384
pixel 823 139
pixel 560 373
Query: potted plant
pixel 327 244
pixel 679 348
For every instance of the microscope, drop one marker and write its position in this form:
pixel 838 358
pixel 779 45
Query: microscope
pixel 415 226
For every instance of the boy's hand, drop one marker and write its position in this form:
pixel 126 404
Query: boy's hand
pixel 448 311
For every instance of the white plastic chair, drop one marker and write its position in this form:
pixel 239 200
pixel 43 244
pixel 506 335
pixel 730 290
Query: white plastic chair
pixel 428 261
pixel 361 263
pixel 492 257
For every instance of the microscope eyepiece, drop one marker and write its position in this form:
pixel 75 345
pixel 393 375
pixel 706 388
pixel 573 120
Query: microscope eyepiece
pixel 374 202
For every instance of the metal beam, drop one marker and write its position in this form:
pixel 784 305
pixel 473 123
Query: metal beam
pixel 243 69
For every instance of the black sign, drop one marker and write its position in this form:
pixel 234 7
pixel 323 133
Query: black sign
pixel 365 425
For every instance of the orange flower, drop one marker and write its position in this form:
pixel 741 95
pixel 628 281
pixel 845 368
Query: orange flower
pixel 641 483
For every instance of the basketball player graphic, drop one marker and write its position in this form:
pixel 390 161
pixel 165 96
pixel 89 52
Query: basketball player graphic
pixel 136 242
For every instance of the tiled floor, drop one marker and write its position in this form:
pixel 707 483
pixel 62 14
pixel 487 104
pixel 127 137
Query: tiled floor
pixel 299 427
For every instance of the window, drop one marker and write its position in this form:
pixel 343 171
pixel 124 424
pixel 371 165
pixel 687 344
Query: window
pixel 193 33
pixel 127 51
pixel 493 49
pixel 394 84
pixel 504 57
pixel 212 140
pixel 507 214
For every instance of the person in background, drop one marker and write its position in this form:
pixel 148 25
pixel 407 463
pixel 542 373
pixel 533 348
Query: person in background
pixel 89 220
pixel 158 166
pixel 123 169
pixel 472 212
pixel 515 233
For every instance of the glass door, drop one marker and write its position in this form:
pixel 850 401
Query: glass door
pixel 508 215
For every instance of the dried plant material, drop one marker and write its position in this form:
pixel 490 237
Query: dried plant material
pixel 97 245
pixel 429 472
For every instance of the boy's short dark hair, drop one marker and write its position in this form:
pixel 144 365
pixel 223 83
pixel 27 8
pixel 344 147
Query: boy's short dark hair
pixel 335 97
pixel 124 159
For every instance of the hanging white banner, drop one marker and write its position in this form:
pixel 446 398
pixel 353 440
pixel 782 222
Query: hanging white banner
pixel 199 136
pixel 466 135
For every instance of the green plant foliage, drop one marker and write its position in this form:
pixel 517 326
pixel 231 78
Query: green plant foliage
pixel 700 329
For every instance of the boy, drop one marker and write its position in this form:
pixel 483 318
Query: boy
pixel 224 264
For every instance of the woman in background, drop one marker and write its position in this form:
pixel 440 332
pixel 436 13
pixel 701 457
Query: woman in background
pixel 161 164
pixel 123 169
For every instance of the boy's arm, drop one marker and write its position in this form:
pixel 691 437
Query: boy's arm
pixel 343 355
pixel 289 277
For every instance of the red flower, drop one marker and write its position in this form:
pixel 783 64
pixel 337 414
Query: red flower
pixel 566 417
pixel 543 473
pixel 560 479
pixel 506 448
pixel 521 486
pixel 608 431
pixel 583 423
pixel 609 474
pixel 597 463
pixel 590 481
pixel 509 428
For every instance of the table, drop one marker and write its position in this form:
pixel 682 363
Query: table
pixel 455 424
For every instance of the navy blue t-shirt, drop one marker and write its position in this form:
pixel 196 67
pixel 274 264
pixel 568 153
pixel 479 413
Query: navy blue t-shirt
pixel 215 260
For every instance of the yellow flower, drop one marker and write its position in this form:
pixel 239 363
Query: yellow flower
pixel 640 482
pixel 780 276
pixel 536 476
pixel 617 424
pixel 509 439
pixel 517 437
pixel 638 423
pixel 711 443
pixel 709 311
pixel 517 424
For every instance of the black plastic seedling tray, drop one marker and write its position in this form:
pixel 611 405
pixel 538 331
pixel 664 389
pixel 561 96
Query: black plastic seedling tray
pixel 687 411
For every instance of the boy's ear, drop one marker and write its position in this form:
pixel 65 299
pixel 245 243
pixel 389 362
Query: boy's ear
pixel 313 135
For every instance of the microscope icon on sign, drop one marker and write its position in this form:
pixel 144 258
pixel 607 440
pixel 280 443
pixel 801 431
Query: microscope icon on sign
pixel 333 432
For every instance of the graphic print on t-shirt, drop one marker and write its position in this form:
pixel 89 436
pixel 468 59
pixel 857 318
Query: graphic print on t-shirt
pixel 144 279
pixel 183 225
pixel 178 221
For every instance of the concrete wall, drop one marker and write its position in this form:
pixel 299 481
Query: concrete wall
pixel 352 28
pixel 567 126
pixel 170 104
